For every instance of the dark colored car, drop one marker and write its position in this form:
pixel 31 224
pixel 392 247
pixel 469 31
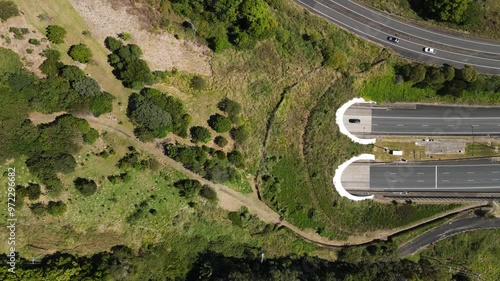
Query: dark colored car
pixel 393 39
pixel 355 121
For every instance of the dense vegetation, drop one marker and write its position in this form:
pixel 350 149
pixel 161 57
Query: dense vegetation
pixel 129 67
pixel 155 114
pixel 8 9
pixel 208 162
pixel 240 23
pixel 122 264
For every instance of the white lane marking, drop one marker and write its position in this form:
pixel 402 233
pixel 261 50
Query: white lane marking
pixel 420 53
pixel 419 133
pixel 429 166
pixel 400 125
pixel 422 29
pixel 420 173
pixel 374 124
pixel 470 180
pixel 420 181
pixel 393 173
pixel 436 172
pixel 446 173
pixel 495 179
pixel 475 125
pixel 470 172
pixel 445 180
pixel 425 125
pixel 450 125
pixel 495 172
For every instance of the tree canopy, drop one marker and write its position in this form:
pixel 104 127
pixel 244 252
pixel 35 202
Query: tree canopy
pixel 80 53
pixel 56 34
pixel 8 9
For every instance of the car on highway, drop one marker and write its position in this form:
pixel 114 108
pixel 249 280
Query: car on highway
pixel 354 121
pixel 429 50
pixel 393 39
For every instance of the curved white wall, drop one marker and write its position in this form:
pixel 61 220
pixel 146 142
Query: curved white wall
pixel 338 175
pixel 339 119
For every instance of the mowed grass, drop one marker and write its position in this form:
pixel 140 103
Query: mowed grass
pixel 487 25
pixel 476 252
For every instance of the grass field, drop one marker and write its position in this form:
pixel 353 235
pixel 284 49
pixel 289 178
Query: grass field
pixel 487 25
pixel 474 253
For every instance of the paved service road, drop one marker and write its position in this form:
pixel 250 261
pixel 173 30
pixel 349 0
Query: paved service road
pixel 451 176
pixel 446 230
pixel 450 49
pixel 426 120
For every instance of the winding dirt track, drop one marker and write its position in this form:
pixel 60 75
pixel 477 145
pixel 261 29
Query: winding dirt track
pixel 230 199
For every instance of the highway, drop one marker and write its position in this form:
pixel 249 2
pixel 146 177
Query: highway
pixel 451 176
pixel 424 120
pixel 446 230
pixel 450 48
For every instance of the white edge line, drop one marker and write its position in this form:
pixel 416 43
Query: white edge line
pixel 380 40
pixel 339 119
pixel 423 29
pixel 337 182
pixel 382 32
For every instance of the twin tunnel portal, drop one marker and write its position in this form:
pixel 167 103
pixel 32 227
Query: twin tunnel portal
pixel 469 177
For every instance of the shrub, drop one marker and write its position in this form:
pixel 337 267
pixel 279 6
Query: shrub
pixel 33 191
pixel 230 107
pixel 239 134
pixel 85 186
pixel 208 192
pixel 80 53
pixel 71 73
pixel 188 188
pixel 56 33
pixel 218 44
pixel 221 141
pixel 200 134
pixel 8 9
pixel 56 208
pixel 219 123
pixel 198 83
pixel 236 158
pixel 112 43
pixel 38 208
pixel 125 36
pixel 468 74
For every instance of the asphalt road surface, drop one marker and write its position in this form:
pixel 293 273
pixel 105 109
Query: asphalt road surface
pixel 450 48
pixel 446 230
pixel 427 120
pixel 471 176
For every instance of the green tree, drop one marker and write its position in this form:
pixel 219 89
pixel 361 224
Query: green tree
pixel 86 87
pixel 229 106
pixel 71 73
pixel 218 44
pixel 239 134
pixel 448 72
pixel 38 208
pixel 85 186
pixel 468 74
pixel 8 9
pixel 56 208
pixel 200 134
pixel 80 53
pixel 112 43
pixel 236 158
pixel 447 10
pixel 188 188
pixel 220 141
pixel 417 73
pixel 198 83
pixel 56 33
pixel 219 123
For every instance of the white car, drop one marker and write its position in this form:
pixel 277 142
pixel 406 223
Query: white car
pixel 429 50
